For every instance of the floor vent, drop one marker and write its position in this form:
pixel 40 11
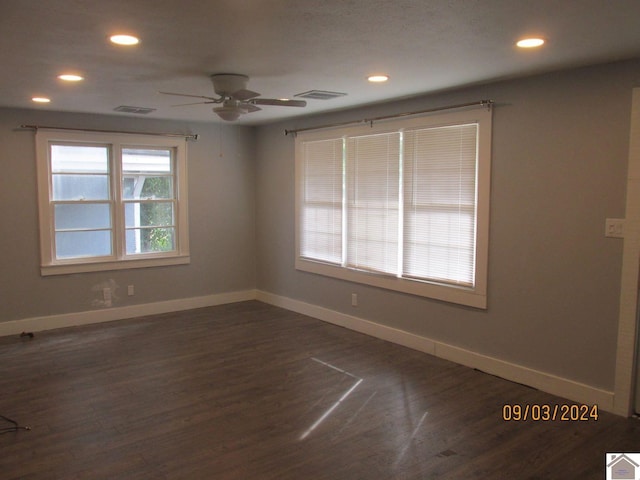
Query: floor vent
pixel 129 109
pixel 320 95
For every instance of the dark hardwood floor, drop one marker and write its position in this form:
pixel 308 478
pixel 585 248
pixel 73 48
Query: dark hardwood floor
pixel 250 391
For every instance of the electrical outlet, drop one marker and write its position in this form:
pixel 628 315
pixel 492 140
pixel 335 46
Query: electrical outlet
pixel 614 228
pixel 130 290
pixel 354 299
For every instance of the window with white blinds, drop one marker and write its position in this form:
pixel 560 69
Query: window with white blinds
pixel 402 205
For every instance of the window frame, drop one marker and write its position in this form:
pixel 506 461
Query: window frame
pixel 475 295
pixel 119 259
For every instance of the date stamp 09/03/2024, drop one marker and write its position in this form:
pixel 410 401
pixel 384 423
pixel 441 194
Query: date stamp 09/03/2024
pixel 549 413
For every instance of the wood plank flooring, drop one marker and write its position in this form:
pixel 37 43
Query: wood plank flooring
pixel 250 391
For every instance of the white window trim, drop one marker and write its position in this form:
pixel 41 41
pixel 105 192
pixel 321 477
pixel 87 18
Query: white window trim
pixel 475 296
pixel 52 266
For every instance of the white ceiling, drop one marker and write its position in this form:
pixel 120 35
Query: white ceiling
pixel 292 46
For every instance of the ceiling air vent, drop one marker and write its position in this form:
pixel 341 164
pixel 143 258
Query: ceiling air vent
pixel 320 95
pixel 129 109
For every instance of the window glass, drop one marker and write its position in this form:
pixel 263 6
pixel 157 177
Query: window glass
pixel 149 214
pixel 82 216
pixel 148 174
pixel 80 187
pixel 79 159
pixel 83 244
pixel 150 240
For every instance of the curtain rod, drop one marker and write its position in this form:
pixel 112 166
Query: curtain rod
pixel 186 136
pixel 481 103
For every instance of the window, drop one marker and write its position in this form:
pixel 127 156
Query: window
pixel 110 201
pixel 402 205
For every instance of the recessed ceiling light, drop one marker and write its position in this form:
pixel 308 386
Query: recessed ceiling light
pixel 378 78
pixel 41 99
pixel 69 77
pixel 530 42
pixel 124 39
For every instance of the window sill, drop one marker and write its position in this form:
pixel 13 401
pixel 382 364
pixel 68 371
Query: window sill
pixel 472 297
pixel 70 268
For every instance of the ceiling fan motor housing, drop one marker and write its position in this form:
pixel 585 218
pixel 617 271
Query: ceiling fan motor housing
pixel 225 84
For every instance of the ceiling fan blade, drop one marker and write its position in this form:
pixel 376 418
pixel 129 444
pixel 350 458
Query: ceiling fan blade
pixel 244 94
pixel 250 107
pixel 279 102
pixel 194 103
pixel 213 100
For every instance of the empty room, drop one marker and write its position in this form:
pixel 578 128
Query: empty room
pixel 319 239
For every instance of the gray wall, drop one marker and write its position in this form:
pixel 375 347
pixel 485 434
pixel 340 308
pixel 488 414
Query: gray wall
pixel 221 220
pixel 560 147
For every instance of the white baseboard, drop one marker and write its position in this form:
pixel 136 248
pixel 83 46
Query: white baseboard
pixel 38 324
pixel 562 387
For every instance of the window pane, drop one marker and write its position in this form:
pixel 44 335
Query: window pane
pixel 440 245
pixel 83 244
pixel 440 196
pixel 79 159
pixel 82 216
pixel 149 214
pixel 143 187
pixel 373 183
pixel 441 165
pixel 373 239
pixel 140 160
pixel 80 187
pixel 322 227
pixel 150 240
pixel 321 210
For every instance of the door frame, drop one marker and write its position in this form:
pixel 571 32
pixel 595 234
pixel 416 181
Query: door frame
pixel 626 375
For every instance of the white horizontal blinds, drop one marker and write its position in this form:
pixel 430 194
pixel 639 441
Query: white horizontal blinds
pixel 440 203
pixel 321 201
pixel 373 176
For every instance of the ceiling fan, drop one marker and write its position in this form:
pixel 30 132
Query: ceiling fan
pixel 234 97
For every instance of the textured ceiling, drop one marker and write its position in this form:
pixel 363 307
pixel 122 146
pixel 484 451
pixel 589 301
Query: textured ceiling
pixel 292 46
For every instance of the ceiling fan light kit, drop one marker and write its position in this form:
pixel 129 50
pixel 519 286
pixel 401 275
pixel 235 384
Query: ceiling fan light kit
pixel 235 98
pixel 230 113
